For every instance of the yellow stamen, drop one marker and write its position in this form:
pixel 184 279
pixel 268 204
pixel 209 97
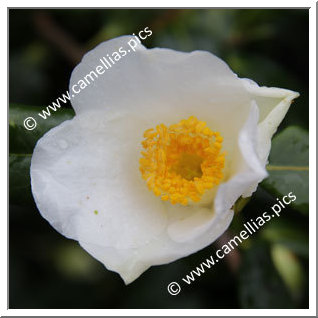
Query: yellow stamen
pixel 180 162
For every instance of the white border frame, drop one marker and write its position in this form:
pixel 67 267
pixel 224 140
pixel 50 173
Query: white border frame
pixel 163 312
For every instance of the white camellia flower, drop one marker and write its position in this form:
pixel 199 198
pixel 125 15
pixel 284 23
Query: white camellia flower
pixel 162 145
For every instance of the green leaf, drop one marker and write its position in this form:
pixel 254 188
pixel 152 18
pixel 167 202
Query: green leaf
pixel 290 269
pixel 22 143
pixel 288 167
pixel 19 179
pixel 22 140
pixel 285 232
pixel 260 285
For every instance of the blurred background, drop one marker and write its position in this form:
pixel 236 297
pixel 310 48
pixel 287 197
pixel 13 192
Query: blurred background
pixel 270 270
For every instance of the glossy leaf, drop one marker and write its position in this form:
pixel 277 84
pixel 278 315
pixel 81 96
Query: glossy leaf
pixel 22 143
pixel 23 140
pixel 288 166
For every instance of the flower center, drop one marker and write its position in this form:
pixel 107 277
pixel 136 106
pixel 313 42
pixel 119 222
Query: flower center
pixel 180 162
pixel 188 166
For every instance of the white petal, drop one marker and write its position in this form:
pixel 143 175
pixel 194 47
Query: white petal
pixel 91 163
pixel 249 168
pixel 273 104
pixel 158 79
pixel 131 263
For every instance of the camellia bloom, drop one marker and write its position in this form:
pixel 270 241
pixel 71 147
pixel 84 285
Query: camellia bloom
pixel 162 145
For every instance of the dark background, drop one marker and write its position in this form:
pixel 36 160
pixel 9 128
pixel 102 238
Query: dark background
pixel 270 270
